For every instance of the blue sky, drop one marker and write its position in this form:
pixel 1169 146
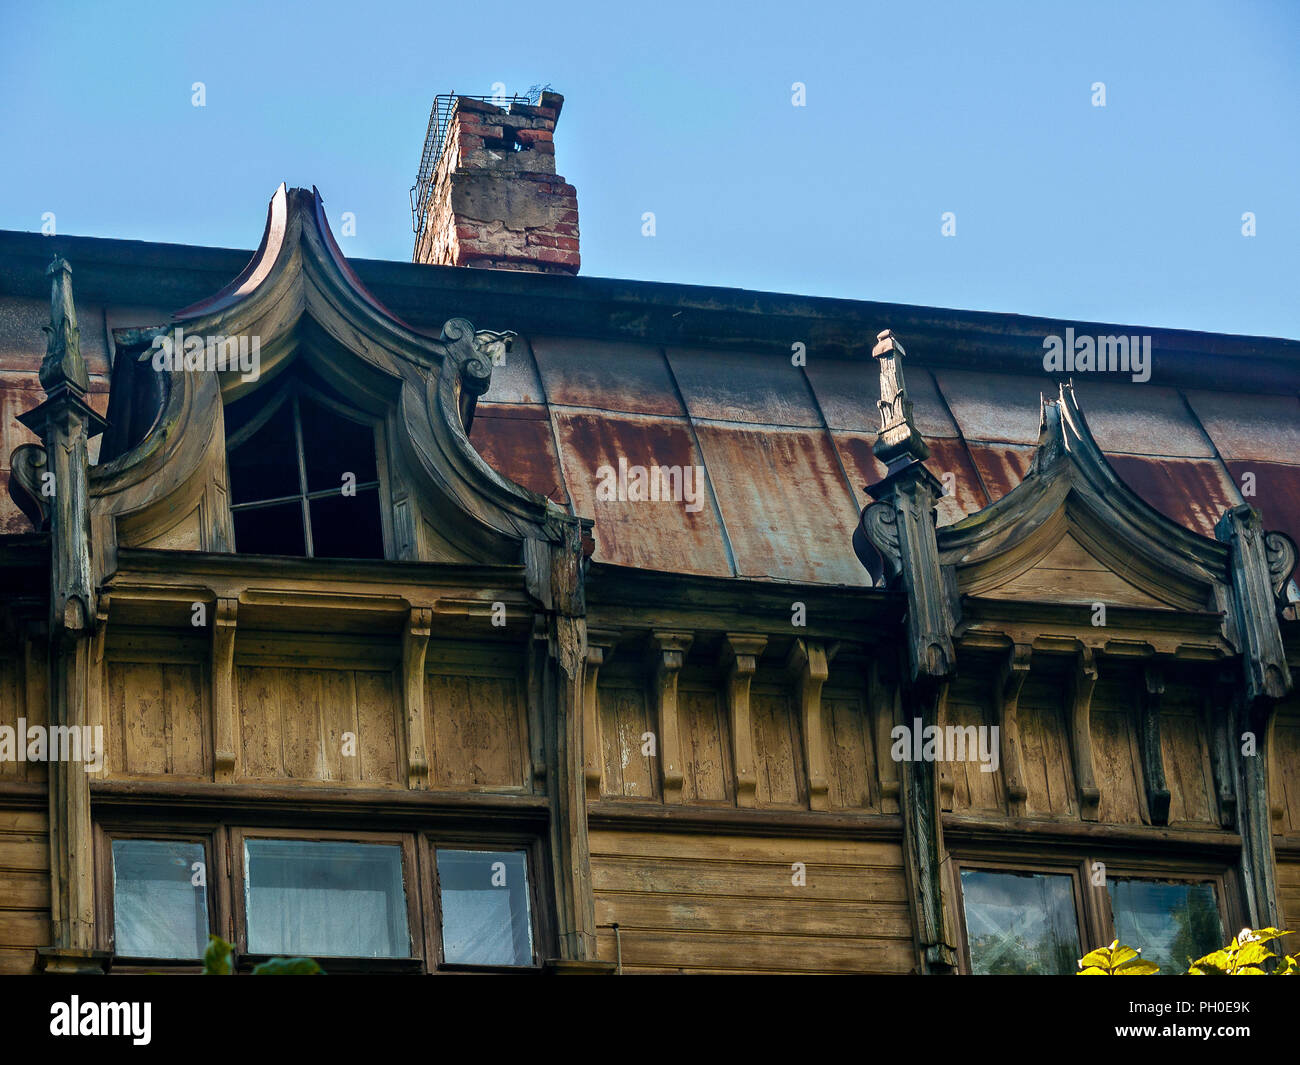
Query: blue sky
pixel 1127 213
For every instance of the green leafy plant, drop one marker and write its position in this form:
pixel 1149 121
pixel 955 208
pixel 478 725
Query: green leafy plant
pixel 1247 955
pixel 218 960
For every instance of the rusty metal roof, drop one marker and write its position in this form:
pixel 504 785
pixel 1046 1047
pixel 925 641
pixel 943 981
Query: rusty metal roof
pixel 687 376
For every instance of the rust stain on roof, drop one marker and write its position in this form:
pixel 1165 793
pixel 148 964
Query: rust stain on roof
pixel 1001 466
pixel 674 535
pixel 516 441
pixel 606 375
pixel 849 391
pixel 1193 492
pixel 787 507
pixel 1277 493
pixel 994 407
pixel 1140 419
pixel 949 461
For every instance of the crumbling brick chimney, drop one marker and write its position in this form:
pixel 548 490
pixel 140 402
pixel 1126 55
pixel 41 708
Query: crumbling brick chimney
pixel 494 199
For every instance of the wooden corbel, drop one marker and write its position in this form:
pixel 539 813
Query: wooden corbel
pixel 415 645
pixel 1258 560
pixel 97 703
pixel 1010 682
pixel 739 658
pixel 1085 680
pixel 225 711
pixel 807 666
pixel 669 651
pixel 600 649
pixel 1153 759
pixel 1218 696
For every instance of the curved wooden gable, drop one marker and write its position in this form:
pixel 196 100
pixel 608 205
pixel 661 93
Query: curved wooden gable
pixel 302 301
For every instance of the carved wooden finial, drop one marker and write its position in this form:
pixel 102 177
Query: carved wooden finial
pixel 63 364
pixel 899 442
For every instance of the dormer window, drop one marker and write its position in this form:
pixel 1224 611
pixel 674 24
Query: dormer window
pixel 304 475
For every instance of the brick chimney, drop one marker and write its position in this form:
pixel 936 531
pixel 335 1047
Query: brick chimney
pixel 495 200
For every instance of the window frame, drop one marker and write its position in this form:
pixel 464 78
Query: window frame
pixel 293 391
pixel 533 851
pixel 1092 902
pixel 216 887
pixel 223 843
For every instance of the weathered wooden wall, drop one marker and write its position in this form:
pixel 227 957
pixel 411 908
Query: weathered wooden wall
pixel 694 903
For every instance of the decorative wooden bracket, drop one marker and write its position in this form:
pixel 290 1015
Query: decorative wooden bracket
pixel 97 686
pixel 1257 560
pixel 1218 697
pixel 1153 760
pixel 1085 680
pixel 225 711
pixel 669 649
pixel 807 665
pixel 600 649
pixel 739 658
pixel 1006 698
pixel 415 645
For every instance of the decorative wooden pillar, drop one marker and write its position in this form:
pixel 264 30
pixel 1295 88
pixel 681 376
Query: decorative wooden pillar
pixel 65 422
pixel 225 709
pixel 896 537
pixel 807 666
pixel 669 650
pixel 1260 564
pixel 415 645
pixel 740 659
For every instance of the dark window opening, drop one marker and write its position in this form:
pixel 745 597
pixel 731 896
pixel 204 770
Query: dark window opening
pixel 304 477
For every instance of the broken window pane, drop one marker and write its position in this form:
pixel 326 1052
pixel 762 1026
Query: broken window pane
pixel 485 912
pixel 160 902
pixel 1173 923
pixel 317 898
pixel 1020 922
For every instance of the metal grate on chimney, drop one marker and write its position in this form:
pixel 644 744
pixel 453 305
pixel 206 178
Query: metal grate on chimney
pixel 434 138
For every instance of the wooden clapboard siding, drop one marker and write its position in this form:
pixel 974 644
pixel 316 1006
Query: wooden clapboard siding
pixel 22 695
pixel 1288 897
pixel 706 769
pixel 24 887
pixel 850 750
pixel 778 752
pixel 1045 750
pixel 969 703
pixel 294 721
pixel 157 720
pixel 624 721
pixel 477 731
pixel 1184 743
pixel 701 903
pixel 1116 760
pixel 1285 767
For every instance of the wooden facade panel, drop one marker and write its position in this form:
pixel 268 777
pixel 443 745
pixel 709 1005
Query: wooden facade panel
pixel 22 695
pixel 850 751
pixel 157 720
pixel 777 750
pixel 1045 753
pixel 1068 573
pixel 1118 767
pixel 1285 769
pixel 968 707
pixel 700 903
pixel 624 720
pixel 24 888
pixel 706 773
pixel 477 731
pixel 316 725
pixel 1188 772
pixel 1288 898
